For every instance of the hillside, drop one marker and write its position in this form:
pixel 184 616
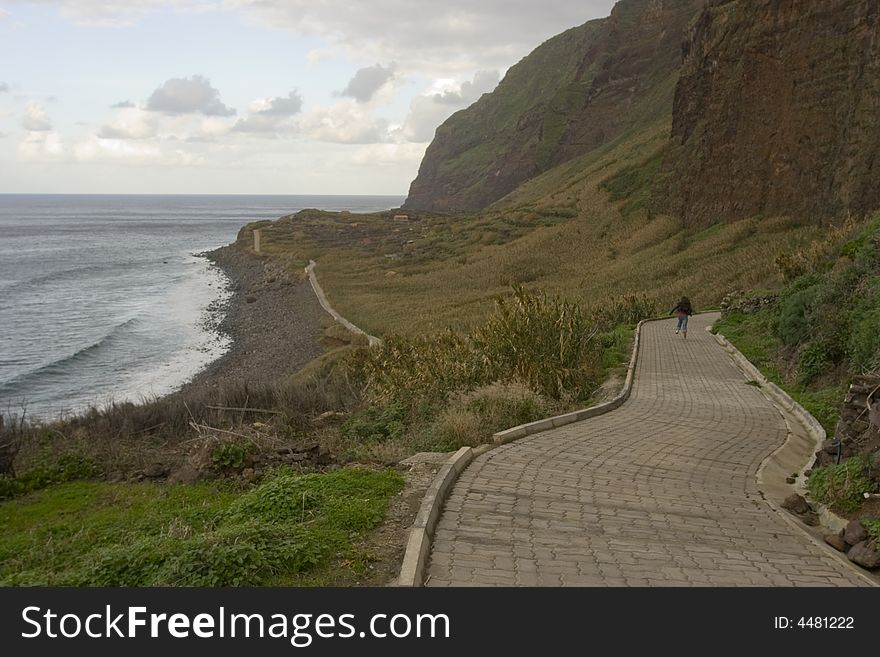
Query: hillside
pixel 772 134
pixel 777 111
pixel 574 93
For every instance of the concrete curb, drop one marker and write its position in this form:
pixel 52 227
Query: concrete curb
pixel 780 460
pixel 418 547
pixel 322 299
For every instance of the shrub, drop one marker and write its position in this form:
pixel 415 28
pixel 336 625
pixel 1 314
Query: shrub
pixel 232 455
pixel 842 486
pixel 546 343
pixel 872 526
pixel 793 322
pixel 376 423
pixel 814 360
pixel 68 467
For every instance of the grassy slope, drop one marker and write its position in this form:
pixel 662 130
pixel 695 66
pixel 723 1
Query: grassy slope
pixel 560 233
pixel 289 530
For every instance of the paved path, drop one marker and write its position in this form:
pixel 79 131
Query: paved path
pixel 661 492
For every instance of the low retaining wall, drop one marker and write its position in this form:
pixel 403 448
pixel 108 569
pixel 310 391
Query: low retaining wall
pixel 322 299
pixel 418 547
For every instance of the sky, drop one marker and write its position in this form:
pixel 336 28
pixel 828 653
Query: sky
pixel 248 96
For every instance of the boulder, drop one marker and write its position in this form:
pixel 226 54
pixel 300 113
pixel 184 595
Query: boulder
pixel 796 504
pixel 836 542
pixel 865 553
pixel 854 533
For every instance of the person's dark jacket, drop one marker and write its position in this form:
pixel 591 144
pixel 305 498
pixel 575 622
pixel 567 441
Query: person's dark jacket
pixel 683 307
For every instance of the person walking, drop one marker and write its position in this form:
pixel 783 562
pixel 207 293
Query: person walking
pixel 683 309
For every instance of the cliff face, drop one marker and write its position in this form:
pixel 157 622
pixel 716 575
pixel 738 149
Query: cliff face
pixel 777 111
pixel 574 93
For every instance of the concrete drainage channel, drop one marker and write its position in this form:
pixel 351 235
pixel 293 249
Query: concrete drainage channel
pixel 797 454
pixel 418 547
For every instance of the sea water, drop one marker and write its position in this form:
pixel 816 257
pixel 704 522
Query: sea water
pixel 106 298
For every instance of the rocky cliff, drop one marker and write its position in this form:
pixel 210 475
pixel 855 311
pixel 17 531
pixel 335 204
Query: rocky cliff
pixel 777 112
pixel 576 92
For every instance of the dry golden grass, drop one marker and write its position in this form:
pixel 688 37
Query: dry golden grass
pixel 559 233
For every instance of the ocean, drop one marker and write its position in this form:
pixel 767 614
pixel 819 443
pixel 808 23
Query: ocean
pixel 105 298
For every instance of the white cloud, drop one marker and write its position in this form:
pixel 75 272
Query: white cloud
pixel 122 104
pixel 42 146
pixel 130 123
pixel 121 13
pixel 367 81
pixel 345 122
pixel 35 118
pixel 188 96
pixel 435 38
pixel 432 37
pixel 272 117
pixel 4 87
pixel 389 154
pixel 430 109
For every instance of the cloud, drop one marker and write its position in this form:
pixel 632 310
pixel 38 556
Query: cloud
pixel 4 88
pixel 282 106
pixel 389 154
pixel 130 123
pixel 367 81
pixel 35 118
pixel 3 134
pixel 346 122
pixel 122 104
pixel 430 109
pixel 42 146
pixel 122 13
pixel 436 38
pixel 188 96
pixel 469 91
pixel 271 116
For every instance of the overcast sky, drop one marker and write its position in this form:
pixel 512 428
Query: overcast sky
pixel 248 96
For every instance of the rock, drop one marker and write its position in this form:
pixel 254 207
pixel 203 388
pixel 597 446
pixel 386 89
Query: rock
pixel 796 504
pixel 836 542
pixel 810 518
pixel 185 474
pixel 865 553
pixel 248 474
pixel 156 471
pixel 854 532
pixel 790 480
pixel 115 477
pixel 250 299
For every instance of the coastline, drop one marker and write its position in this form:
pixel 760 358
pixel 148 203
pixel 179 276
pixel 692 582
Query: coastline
pixel 273 322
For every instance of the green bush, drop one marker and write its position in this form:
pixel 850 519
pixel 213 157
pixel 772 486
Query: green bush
pixel 872 526
pixel 68 467
pixel 793 321
pixel 842 486
pixel 815 359
pixel 232 455
pixel 376 423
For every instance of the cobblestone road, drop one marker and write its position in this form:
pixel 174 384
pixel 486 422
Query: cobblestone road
pixel 661 492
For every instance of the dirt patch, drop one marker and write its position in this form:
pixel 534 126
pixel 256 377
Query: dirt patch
pixel 387 542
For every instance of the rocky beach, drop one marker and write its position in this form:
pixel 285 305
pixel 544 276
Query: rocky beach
pixel 273 319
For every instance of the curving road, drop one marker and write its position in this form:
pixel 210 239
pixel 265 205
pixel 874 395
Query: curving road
pixel 661 492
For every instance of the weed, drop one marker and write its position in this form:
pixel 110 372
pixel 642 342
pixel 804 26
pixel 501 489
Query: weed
pixel 841 486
